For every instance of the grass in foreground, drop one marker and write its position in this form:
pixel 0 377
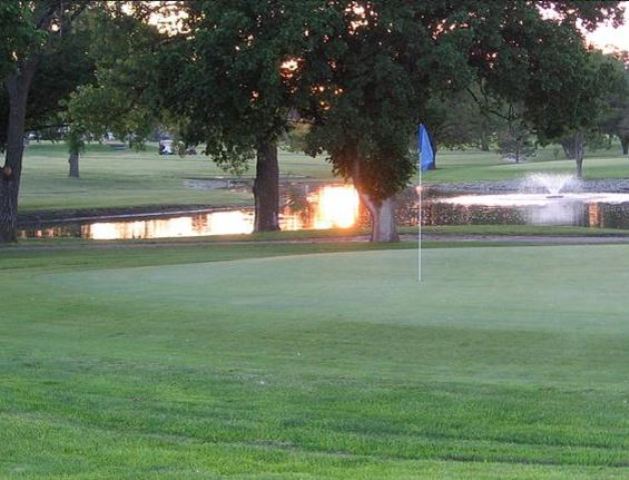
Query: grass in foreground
pixel 338 235
pixel 503 363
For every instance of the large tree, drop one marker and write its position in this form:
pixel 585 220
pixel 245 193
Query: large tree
pixel 615 121
pixel 57 75
pixel 575 110
pixel 462 119
pixel 33 33
pixel 622 130
pixel 122 98
pixel 229 84
pixel 375 65
pixel 361 68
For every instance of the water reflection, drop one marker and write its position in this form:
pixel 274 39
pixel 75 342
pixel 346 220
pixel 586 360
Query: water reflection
pixel 215 223
pixel 331 206
pixel 336 207
pixel 580 209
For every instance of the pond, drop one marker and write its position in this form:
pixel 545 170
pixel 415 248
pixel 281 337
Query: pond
pixel 303 207
pixel 307 206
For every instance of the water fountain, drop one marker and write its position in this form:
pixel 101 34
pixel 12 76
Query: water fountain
pixel 553 186
pixel 546 199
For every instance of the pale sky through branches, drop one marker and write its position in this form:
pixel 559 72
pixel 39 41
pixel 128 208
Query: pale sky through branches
pixel 607 38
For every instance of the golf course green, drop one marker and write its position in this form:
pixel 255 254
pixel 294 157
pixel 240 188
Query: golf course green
pixel 296 361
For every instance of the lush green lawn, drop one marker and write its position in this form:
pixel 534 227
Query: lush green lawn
pixel 264 361
pixel 471 166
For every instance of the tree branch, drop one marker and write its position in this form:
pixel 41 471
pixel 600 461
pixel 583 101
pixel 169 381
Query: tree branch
pixel 484 108
pixel 46 16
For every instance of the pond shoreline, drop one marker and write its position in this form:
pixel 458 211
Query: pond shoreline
pixel 607 185
pixel 36 218
pixel 406 241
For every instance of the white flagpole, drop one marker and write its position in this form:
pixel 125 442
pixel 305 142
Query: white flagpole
pixel 419 225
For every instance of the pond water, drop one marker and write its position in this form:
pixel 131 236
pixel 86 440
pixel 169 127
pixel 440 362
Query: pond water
pixel 328 206
pixel 587 210
pixel 322 207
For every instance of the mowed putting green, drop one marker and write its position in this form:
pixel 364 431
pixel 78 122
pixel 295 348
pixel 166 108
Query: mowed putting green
pixel 508 362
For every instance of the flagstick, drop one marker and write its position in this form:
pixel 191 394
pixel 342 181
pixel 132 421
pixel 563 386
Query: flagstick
pixel 419 228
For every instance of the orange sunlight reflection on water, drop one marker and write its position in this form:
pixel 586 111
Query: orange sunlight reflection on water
pixel 332 206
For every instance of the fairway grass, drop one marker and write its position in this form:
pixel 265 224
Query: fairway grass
pixel 307 361
pixel 473 166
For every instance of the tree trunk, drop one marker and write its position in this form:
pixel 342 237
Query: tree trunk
pixel 266 189
pixel 578 152
pixel 484 141
pixel 73 160
pixel 18 85
pixel 9 191
pixel 433 165
pixel 383 225
pixel 568 148
pixel 624 142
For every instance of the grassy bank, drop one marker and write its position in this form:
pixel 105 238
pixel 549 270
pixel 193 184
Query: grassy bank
pixel 337 238
pixel 473 166
pixel 267 361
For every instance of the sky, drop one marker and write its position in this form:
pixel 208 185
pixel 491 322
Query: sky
pixel 616 37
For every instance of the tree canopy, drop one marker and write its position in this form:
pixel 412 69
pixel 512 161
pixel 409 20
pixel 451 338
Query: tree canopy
pixel 228 83
pixel 374 66
pixel 122 99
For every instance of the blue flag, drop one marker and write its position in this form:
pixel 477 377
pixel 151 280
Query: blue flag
pixel 426 153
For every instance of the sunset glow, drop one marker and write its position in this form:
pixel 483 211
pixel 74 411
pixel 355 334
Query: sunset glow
pixel 337 207
pixel 610 39
pixel 216 223
pixel 289 67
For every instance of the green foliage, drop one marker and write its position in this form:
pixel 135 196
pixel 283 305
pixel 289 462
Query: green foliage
pixel 61 55
pixel 20 36
pixel 121 99
pixel 101 109
pixel 223 84
pixel 462 120
pixel 615 120
pixel 379 69
pixel 516 143
pixel 365 103
pixel 580 101
pixel 61 70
